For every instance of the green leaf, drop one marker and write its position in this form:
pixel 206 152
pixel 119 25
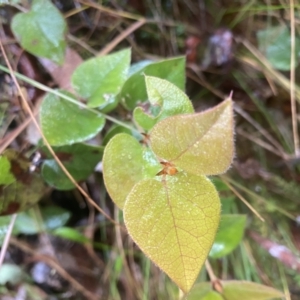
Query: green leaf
pixel 12 274
pixel 126 162
pixel 79 159
pixel 167 100
pixel 134 89
pixel 212 295
pixel 25 191
pixel 41 31
pixel 53 217
pixel 4 224
pixel 229 235
pixel 66 123
pixel 246 290
pixel 174 219
pixel 275 43
pixel 6 177
pixel 100 79
pixel 71 234
pixel 199 143
pixel 199 291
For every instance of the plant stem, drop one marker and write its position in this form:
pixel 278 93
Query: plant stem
pixel 66 97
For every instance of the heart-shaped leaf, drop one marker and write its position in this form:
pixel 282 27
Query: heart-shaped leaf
pixel 173 219
pixel 41 31
pixel 100 79
pixel 229 235
pixel 79 159
pixel 126 162
pixel 66 123
pixel 167 99
pixel 201 144
pixel 246 290
pixel 134 89
pixel 25 191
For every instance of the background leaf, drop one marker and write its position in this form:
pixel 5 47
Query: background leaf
pixel 66 123
pixel 199 143
pixel 174 221
pixel 100 79
pixel 126 162
pixel 25 191
pixel 6 177
pixel 167 100
pixel 53 217
pixel 229 235
pixel 4 224
pixel 246 290
pixel 41 31
pixel 134 89
pixel 11 274
pixel 79 159
pixel 71 234
pixel 275 43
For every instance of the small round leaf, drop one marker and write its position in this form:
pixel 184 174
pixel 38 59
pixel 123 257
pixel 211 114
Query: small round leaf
pixel 126 162
pixel 65 123
pixel 165 97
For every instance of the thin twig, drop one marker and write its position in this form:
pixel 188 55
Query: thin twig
pixel 210 271
pixel 242 198
pixel 122 36
pixel 7 238
pixel 292 79
pixel 12 136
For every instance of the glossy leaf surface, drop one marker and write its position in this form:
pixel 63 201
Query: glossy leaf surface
pixel 166 100
pixel 201 144
pixel 134 89
pixel 66 123
pixel 79 159
pixel 229 235
pixel 275 43
pixel 25 191
pixel 100 79
pixel 41 31
pixel 126 162
pixel 246 290
pixel 174 221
